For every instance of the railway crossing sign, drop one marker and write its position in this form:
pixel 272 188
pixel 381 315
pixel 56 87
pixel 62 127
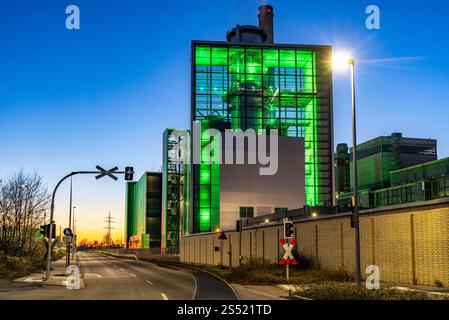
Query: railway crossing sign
pixel 109 173
pixel 288 257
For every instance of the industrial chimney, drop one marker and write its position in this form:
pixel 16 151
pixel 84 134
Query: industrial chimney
pixel 266 15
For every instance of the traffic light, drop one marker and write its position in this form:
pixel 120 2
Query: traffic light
pixel 288 229
pixel 129 173
pixel 44 230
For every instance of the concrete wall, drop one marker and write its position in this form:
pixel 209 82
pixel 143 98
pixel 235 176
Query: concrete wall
pixel 241 185
pixel 409 243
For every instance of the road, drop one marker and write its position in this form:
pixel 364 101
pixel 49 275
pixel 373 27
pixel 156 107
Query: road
pixel 110 278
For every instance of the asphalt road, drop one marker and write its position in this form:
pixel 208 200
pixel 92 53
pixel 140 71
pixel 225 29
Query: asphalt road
pixel 110 278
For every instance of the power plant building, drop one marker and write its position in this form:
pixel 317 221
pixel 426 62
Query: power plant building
pixel 382 162
pixel 251 83
pixel 250 87
pixel 143 212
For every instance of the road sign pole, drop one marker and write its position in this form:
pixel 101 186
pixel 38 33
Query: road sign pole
pixel 221 253
pixel 287 271
pixel 240 241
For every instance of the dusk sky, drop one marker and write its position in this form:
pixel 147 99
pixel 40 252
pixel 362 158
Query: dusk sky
pixel 72 99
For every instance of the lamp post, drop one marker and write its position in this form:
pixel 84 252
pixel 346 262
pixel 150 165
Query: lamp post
pixel 358 273
pixel 74 233
pixel 70 224
pixel 340 60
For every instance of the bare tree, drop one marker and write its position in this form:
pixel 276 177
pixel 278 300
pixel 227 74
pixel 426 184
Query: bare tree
pixel 23 201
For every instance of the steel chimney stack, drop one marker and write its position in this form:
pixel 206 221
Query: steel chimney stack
pixel 266 15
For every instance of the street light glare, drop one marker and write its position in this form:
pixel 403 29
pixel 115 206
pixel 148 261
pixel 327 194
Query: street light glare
pixel 341 59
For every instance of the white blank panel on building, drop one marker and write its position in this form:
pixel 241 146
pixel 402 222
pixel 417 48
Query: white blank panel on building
pixel 241 185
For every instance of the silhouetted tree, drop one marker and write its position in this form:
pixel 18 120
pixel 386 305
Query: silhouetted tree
pixel 23 201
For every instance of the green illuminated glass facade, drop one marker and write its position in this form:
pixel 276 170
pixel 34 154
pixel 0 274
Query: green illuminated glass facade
pixel 262 87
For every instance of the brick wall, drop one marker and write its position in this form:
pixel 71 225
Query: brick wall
pixel 409 243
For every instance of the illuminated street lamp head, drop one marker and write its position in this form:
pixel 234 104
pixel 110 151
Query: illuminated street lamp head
pixel 341 59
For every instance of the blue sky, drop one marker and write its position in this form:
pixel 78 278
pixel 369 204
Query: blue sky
pixel 103 94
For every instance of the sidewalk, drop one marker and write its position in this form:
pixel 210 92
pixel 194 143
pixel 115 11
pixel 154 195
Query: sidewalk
pixel 58 275
pixel 293 290
pixel 260 292
pixel 424 289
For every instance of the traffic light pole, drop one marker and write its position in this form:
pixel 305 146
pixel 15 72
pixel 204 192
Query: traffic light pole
pixel 99 174
pixel 288 234
pixel 69 244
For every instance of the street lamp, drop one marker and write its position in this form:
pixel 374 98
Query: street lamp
pixel 339 61
pixel 74 233
pixel 70 223
pixel 73 215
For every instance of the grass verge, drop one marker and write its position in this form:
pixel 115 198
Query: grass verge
pixel 13 267
pixel 268 274
pixel 314 284
pixel 349 291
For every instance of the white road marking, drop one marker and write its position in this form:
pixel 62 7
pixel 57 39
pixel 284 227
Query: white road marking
pixel 195 285
pixel 150 282
pixel 32 280
pixel 121 269
pixel 92 275
pixel 132 275
pixel 164 296
pixel 113 277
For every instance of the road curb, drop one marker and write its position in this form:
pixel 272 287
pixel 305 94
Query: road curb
pixel 205 271
pixel 290 292
pixel 120 256
pixel 57 279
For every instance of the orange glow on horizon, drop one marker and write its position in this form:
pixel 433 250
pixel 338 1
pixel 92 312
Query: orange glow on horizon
pixel 98 235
